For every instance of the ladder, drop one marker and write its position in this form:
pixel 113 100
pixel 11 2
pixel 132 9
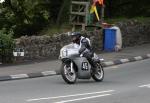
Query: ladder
pixel 79 12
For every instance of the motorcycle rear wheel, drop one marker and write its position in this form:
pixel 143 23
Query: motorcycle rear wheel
pixel 68 76
pixel 98 76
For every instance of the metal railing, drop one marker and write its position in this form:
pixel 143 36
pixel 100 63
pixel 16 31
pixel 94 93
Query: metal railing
pixel 6 53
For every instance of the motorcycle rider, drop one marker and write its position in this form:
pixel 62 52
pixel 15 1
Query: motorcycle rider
pixel 85 48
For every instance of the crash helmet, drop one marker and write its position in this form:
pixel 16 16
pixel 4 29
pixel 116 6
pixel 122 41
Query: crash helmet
pixel 75 36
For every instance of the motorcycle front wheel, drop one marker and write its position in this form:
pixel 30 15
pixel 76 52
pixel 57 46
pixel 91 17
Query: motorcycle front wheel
pixel 68 75
pixel 98 75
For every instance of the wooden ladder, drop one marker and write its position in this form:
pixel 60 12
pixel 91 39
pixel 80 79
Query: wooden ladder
pixel 79 12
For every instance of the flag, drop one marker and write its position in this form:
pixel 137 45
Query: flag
pixel 101 2
pixel 92 9
pixel 96 13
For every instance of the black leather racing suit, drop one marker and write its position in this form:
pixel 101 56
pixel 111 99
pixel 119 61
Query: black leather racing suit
pixel 86 50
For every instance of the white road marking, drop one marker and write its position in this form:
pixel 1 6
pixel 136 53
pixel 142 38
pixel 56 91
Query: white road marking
pixel 147 85
pixel 112 68
pixel 148 55
pixel 46 73
pixel 124 60
pixel 19 76
pixel 138 58
pixel 73 95
pixel 78 99
pixel 109 63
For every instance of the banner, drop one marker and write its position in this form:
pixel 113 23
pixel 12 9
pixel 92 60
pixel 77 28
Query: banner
pixel 96 13
pixel 101 2
pixel 94 9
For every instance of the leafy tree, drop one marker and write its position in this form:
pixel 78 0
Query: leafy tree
pixel 25 17
pixel 28 17
pixel 6 45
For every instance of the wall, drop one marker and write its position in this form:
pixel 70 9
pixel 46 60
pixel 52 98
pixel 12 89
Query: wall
pixel 38 47
pixel 134 32
pixel 49 47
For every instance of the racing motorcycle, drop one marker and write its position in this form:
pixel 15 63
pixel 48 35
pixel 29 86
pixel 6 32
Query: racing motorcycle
pixel 75 66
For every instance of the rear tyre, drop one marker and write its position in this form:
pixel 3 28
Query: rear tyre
pixel 68 76
pixel 98 75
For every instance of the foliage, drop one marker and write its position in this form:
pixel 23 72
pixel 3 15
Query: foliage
pixel 127 8
pixel 56 30
pixel 24 16
pixel 29 17
pixel 6 45
pixel 144 20
pixel 6 39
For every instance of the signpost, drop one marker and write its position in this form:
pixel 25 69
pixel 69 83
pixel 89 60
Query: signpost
pixel 18 52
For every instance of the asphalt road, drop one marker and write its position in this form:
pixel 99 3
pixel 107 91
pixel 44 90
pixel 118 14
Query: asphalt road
pixel 126 83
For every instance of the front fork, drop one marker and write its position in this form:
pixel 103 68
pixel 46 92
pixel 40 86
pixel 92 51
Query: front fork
pixel 71 65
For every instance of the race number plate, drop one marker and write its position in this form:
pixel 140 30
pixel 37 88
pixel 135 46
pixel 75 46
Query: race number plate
pixel 85 66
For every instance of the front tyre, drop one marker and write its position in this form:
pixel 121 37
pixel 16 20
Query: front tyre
pixel 98 75
pixel 68 76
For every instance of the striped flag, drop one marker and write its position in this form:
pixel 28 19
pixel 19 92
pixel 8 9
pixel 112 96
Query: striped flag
pixel 101 2
pixel 94 9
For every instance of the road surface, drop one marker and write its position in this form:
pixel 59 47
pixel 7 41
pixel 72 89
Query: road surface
pixel 126 83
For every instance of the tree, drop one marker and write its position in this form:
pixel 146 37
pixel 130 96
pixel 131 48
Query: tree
pixel 61 10
pixel 25 17
pixel 28 17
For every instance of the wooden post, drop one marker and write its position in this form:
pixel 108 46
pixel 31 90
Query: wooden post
pixel 102 13
pixel 87 13
pixel 83 27
pixel 73 28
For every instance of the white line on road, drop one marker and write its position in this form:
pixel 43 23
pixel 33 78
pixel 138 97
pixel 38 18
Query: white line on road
pixel 78 99
pixel 138 58
pixel 147 85
pixel 19 76
pixel 124 60
pixel 109 63
pixel 73 95
pixel 46 73
pixel 148 55
pixel 112 67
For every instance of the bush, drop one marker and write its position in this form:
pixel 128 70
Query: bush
pixel 6 46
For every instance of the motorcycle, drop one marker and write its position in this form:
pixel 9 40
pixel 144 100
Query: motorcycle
pixel 76 66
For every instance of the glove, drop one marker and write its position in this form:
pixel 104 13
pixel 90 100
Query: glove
pixel 81 55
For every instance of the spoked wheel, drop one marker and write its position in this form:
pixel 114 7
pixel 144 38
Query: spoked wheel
pixel 68 75
pixel 98 75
